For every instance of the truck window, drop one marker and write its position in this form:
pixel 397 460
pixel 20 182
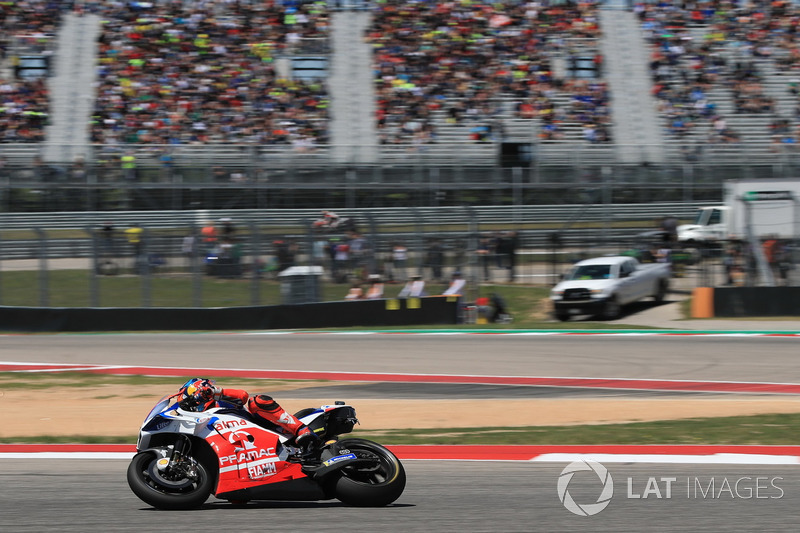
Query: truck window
pixel 591 272
pixel 715 217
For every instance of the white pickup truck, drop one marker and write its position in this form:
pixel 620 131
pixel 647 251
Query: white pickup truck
pixel 601 286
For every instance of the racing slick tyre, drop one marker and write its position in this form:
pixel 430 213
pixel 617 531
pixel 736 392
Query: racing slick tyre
pixel 377 480
pixel 165 491
pixel 612 309
pixel 561 317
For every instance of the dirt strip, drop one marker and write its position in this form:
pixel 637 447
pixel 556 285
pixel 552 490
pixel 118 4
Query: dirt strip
pixel 103 411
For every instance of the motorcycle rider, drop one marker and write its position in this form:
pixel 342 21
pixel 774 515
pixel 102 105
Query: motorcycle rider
pixel 199 394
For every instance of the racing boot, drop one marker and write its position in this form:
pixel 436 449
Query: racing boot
pixel 306 439
pixel 267 408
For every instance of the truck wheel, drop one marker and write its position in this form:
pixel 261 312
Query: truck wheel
pixel 693 252
pixel 661 291
pixel 612 309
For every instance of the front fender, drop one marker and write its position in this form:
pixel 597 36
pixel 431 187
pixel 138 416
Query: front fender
pixel 201 450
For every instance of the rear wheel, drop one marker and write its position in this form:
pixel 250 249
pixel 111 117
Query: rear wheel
pixel 377 479
pixel 563 317
pixel 661 291
pixel 187 485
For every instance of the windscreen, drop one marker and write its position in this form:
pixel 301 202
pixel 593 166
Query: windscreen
pixel 591 272
pixel 159 407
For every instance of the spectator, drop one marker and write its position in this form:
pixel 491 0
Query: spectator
pixel 455 56
pixel 436 259
pixel 341 261
pixel 375 289
pixel 399 261
pixel 484 256
pixel 209 236
pixel 512 243
pixel 284 254
pixel 136 240
pixel 355 292
pixel 199 72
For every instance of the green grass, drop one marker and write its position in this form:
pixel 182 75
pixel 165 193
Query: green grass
pixel 127 384
pixel 776 429
pixel 758 429
pixel 71 288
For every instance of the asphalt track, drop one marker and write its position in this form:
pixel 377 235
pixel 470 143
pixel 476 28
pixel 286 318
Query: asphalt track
pixel 91 495
pixel 721 358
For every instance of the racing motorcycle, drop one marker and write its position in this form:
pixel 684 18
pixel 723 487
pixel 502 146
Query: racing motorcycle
pixel 184 456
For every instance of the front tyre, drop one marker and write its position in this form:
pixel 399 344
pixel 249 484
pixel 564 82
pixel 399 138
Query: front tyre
pixel 187 488
pixel 612 309
pixel 376 480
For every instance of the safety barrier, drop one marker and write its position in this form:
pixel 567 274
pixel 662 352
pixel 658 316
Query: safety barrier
pixel 388 312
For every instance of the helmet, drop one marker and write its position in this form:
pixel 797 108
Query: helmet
pixel 197 393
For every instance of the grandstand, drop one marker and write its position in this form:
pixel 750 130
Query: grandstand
pixel 226 94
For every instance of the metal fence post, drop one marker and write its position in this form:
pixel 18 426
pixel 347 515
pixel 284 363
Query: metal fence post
pixel 255 285
pixel 420 243
pixel 373 244
pixel 195 267
pixel 44 291
pixel 473 290
pixel 94 286
pixel 143 268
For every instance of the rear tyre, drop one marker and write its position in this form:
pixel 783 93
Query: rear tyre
pixel 164 491
pixel 377 480
pixel 661 292
pixel 563 317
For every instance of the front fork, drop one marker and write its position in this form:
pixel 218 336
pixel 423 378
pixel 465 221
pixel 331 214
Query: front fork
pixel 175 459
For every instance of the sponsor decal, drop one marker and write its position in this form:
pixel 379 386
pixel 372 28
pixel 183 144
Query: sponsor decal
pixel 247 455
pixel 259 471
pixel 228 424
pixel 338 458
pixel 161 425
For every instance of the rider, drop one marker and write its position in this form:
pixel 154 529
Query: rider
pixel 200 394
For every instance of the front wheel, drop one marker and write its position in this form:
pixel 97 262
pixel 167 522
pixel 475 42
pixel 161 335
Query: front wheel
pixel 612 309
pixel 186 486
pixel 377 479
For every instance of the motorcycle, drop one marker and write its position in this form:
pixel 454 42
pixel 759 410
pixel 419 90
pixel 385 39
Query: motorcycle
pixel 184 456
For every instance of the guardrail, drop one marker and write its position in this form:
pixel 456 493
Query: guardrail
pixel 450 153
pixel 69 234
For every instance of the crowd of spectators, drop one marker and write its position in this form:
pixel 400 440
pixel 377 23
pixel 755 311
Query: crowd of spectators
pixel 26 27
pixel 206 72
pixel 735 36
pixel 458 57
